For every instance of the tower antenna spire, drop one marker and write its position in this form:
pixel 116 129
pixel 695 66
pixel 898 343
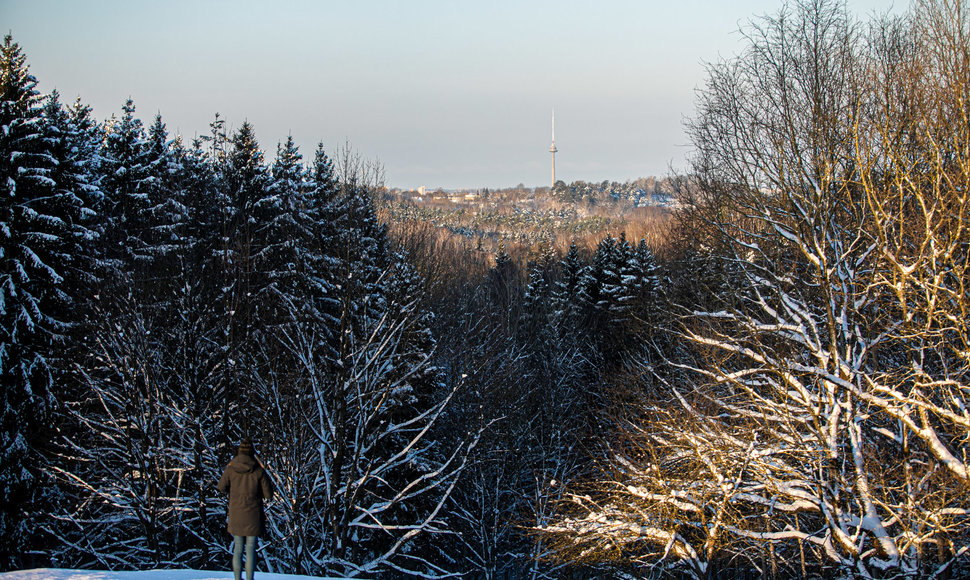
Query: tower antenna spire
pixel 553 150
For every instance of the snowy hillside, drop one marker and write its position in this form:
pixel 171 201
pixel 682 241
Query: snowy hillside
pixel 56 574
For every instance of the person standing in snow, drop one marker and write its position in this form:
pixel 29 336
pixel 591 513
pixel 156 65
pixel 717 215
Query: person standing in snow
pixel 248 486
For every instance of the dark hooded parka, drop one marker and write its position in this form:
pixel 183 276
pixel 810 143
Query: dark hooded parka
pixel 247 485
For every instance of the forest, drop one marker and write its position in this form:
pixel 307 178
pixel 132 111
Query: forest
pixel 527 223
pixel 772 380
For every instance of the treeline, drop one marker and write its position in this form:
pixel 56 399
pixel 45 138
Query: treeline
pixel 161 300
pixel 643 192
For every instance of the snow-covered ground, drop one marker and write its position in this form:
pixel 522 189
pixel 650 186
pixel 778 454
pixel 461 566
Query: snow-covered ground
pixel 57 574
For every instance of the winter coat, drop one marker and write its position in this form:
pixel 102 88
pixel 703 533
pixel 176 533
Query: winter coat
pixel 247 485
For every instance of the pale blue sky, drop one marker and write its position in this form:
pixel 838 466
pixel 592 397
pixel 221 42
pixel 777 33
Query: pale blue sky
pixel 444 93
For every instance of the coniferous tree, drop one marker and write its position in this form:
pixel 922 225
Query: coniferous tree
pixel 166 212
pixel 536 330
pixel 502 289
pixel 608 263
pixel 283 237
pixel 567 292
pixel 322 211
pixel 126 184
pixel 196 333
pixel 72 137
pixel 643 286
pixel 244 180
pixel 42 227
pixel 128 413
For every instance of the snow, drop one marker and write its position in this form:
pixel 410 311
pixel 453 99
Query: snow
pixel 59 574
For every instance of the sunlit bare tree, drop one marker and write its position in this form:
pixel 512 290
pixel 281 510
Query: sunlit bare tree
pixel 825 428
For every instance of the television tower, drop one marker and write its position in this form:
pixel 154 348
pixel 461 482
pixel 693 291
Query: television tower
pixel 553 150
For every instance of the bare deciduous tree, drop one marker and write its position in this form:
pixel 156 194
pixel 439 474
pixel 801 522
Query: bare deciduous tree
pixel 353 169
pixel 362 479
pixel 828 428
